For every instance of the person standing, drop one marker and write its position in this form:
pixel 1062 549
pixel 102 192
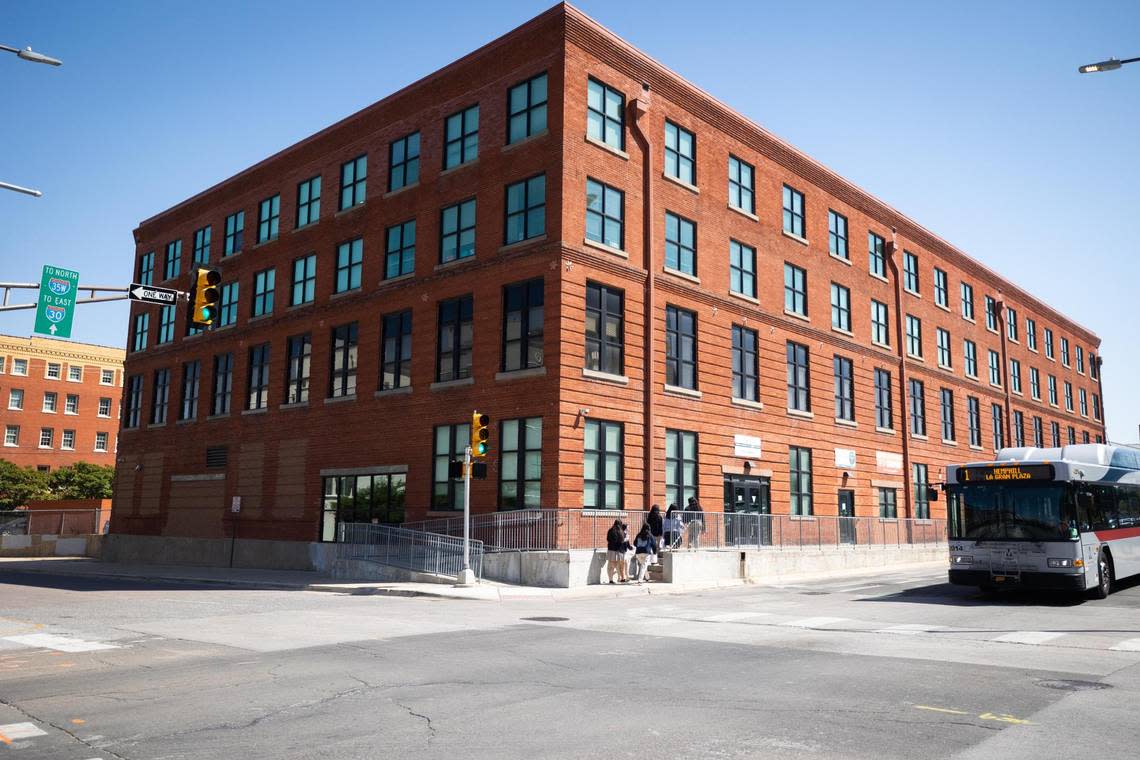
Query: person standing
pixel 645 551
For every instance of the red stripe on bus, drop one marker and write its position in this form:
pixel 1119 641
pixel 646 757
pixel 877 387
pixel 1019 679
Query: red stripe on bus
pixel 1108 535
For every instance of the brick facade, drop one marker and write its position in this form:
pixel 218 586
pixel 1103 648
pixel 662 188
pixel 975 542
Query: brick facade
pixel 276 458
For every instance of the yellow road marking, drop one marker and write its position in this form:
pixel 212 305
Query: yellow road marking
pixel 941 710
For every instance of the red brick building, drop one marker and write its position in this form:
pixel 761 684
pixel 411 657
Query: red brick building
pixel 59 402
pixel 650 295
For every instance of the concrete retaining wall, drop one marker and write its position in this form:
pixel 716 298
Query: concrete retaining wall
pixel 215 552
pixel 50 546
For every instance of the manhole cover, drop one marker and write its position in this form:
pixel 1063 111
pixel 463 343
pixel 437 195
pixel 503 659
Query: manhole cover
pixel 541 619
pixel 1064 685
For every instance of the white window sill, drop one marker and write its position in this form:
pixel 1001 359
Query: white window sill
pixel 681 183
pixel 603 247
pixel 605 377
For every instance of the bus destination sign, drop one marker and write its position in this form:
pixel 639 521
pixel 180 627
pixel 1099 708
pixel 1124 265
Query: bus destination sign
pixel 1005 473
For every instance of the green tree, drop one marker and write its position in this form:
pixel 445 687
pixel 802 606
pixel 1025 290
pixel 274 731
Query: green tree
pixel 82 480
pixel 19 484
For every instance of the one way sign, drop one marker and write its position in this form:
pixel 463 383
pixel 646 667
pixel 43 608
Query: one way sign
pixel 140 292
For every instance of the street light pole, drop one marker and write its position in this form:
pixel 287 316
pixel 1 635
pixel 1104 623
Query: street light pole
pixel 1112 64
pixel 32 56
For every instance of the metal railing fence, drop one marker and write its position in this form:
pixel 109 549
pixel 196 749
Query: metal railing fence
pixel 55 522
pixel 416 550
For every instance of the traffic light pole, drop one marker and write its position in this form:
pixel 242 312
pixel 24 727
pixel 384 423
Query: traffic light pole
pixel 466 576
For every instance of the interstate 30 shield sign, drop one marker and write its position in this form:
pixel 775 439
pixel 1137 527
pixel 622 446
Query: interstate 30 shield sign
pixel 56 308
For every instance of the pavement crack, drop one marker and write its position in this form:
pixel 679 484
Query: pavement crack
pixel 61 729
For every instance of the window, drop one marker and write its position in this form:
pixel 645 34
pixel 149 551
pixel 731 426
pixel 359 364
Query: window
pixel 100 441
pixel 680 348
pixel 309 201
pixel 1096 406
pixel 1038 433
pixel 844 389
pixel 450 442
pixel 1015 375
pixel 520 464
pixel 799 378
pixel 742 269
pixel 47 438
pixel 263 287
pixel 404 162
pixel 461 137
pixel 837 234
pixel 1011 323
pixel 401 253
pixel 1048 343
pixel 173 259
pixel 910 272
pixel 161 399
pixel 342 376
pixel 605 329
pixel 202 245
pixel 258 378
pixel 223 384
pixel 227 314
pixel 741 185
pixel 1055 433
pixel 942 342
pixel 142 327
pixel 914 336
pixel 304 279
pixel 20 367
pixel 745 366
pixel 991 314
pixel 1052 390
pixel 353 182
pixel 106 377
pixel 970 351
pixel 526 109
pixel 680 467
pixel 974 420
pixel 396 351
pixel 67 441
pixel 526 209
pixel 269 214
pixel 999 426
pixel 74 373
pixel 680 153
pixel 941 290
pixel 1031 334
pixel 1080 353
pixel 1018 429
pixel 888 504
pixel 799 470
pixel 191 375
pixel 840 307
pixel 795 290
pixel 349 258
pixel 453 360
pixel 604 214
pixel 875 249
pixel 968 301
pixel 605 114
pixel 105 407
pixel 1084 399
pixel 884 408
pixel 300 348
pixel 132 410
pixel 995 369
pixel 680 244
pixel 947 414
pixel 146 268
pixel 917 407
pixel 166 318
pixel 1035 383
pixel 794 212
pixel 522 325
pixel 11 435
pixel 1068 396
pixel 602 466
pixel 51 402
pixel 235 228
pixel 1072 435
pixel 53 370
pixel 880 326
pixel 16 399
pixel 457 231
pixel 921 492
pixel 71 404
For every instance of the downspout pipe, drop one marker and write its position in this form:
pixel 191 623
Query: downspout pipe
pixel 900 339
pixel 638 108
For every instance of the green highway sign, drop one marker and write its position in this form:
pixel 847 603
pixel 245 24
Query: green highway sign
pixel 57 302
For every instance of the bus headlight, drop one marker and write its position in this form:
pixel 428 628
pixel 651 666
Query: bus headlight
pixel 1060 562
pixel 962 559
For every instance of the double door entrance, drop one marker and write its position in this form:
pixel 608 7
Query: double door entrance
pixel 748 510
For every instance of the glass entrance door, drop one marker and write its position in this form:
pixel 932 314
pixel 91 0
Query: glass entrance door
pixel 748 510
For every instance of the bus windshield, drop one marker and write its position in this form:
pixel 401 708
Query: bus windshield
pixel 1005 512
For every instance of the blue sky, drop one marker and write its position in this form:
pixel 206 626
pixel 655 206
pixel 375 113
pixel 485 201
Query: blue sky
pixel 968 116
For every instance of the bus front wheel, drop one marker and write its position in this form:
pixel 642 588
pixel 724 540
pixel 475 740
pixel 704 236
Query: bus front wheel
pixel 1103 577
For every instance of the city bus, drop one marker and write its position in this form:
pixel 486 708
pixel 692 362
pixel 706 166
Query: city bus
pixel 1065 519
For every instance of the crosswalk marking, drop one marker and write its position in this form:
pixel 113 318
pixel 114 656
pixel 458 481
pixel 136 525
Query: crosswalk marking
pixel 59 643
pixel 911 629
pixel 815 622
pixel 1128 645
pixel 1028 637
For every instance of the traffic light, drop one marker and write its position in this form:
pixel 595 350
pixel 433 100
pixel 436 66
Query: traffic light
pixel 479 434
pixel 204 296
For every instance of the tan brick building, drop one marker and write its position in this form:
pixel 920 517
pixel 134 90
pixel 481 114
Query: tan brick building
pixel 560 232
pixel 59 401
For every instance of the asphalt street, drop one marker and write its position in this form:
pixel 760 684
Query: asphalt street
pixel 890 666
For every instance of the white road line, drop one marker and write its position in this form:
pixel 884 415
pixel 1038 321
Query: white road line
pixel 1028 637
pixel 814 622
pixel 15 731
pixel 731 617
pixel 1128 645
pixel 59 643
pixel 910 629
